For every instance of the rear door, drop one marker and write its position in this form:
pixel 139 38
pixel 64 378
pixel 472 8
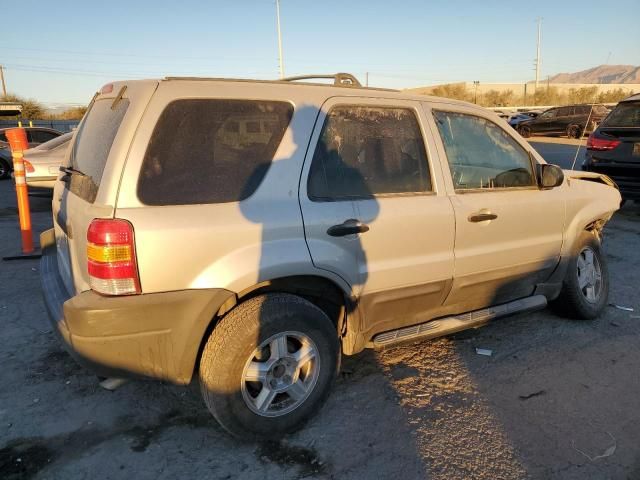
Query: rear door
pixel 543 123
pixel 97 154
pixel 508 232
pixel 375 209
pixel 564 117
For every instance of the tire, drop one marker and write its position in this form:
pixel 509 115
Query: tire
pixel 525 131
pixel 574 131
pixel 5 169
pixel 573 301
pixel 231 355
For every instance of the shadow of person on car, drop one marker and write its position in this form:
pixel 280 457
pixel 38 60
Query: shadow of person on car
pixel 288 351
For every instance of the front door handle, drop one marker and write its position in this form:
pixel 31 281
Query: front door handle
pixel 482 216
pixel 348 227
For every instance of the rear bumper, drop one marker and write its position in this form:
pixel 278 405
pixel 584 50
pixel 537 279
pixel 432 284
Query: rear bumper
pixel 151 335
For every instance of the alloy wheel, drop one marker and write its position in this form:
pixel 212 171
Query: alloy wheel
pixel 589 275
pixel 280 374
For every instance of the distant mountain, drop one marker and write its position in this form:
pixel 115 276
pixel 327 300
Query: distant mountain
pixel 601 74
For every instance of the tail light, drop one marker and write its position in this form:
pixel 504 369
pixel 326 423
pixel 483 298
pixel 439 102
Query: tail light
pixel 111 257
pixel 28 167
pixel 599 143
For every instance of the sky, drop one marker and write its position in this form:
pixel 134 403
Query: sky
pixel 62 52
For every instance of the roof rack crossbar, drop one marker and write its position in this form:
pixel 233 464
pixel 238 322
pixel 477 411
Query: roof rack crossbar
pixel 339 79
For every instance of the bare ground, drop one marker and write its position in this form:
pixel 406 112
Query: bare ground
pixel 557 399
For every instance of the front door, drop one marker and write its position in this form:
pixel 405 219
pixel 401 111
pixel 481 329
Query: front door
pixel 375 210
pixel 508 231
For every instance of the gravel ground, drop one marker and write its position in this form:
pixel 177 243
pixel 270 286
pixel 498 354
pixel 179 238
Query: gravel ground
pixel 557 399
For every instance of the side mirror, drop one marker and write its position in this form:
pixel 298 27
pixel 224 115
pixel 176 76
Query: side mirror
pixel 549 176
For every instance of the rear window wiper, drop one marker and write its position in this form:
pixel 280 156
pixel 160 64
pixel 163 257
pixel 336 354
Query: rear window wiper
pixel 71 171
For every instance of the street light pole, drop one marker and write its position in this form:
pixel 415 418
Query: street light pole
pixel 279 40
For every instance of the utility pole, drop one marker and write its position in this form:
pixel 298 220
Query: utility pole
pixel 279 40
pixel 538 52
pixel 475 91
pixel 366 82
pixel 4 86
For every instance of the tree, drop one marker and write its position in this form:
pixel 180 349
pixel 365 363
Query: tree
pixel 547 96
pixel 456 91
pixel 582 95
pixel 613 96
pixel 74 113
pixel 496 98
pixel 31 109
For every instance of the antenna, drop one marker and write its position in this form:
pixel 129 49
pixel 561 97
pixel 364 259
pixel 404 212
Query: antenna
pixel 279 40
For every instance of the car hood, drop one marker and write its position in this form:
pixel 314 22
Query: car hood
pixel 589 177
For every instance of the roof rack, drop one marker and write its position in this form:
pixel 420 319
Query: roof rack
pixel 339 79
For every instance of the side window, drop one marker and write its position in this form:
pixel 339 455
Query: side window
pixel 198 153
pixel 366 151
pixel 549 114
pixel 565 111
pixel 482 155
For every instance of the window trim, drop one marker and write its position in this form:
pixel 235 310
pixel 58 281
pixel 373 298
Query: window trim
pixel 147 146
pixel 532 161
pixel 416 113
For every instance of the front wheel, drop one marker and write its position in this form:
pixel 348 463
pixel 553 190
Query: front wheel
pixel 268 366
pixel 585 289
pixel 525 131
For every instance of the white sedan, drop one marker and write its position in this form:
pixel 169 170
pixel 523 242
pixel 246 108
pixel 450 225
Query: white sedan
pixel 42 163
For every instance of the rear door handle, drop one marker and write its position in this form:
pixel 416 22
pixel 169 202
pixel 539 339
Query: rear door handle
pixel 348 227
pixel 482 216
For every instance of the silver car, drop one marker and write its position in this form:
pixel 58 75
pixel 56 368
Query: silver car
pixel 42 163
pixel 249 233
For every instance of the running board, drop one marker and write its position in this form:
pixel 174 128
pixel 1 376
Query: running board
pixel 446 325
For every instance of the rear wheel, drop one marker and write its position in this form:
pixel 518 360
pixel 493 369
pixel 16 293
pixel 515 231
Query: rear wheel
pixel 268 366
pixel 585 289
pixel 574 131
pixel 525 131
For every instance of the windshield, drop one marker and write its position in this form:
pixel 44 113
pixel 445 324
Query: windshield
pixel 624 115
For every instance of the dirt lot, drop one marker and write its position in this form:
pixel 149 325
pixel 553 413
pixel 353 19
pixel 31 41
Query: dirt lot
pixel 558 399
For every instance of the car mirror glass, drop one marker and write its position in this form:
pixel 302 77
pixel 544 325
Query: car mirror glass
pixel 551 176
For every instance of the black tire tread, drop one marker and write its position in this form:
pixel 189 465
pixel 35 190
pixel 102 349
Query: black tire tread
pixel 570 302
pixel 243 321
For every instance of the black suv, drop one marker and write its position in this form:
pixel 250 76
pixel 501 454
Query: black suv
pixel 35 136
pixel 572 121
pixel 614 148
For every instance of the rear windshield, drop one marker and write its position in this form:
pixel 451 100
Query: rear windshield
pixel 624 115
pixel 93 143
pixel 211 151
pixel 56 142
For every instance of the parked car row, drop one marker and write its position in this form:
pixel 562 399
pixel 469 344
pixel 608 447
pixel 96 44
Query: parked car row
pixel 570 120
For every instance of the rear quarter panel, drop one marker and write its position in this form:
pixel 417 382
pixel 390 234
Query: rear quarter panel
pixel 231 245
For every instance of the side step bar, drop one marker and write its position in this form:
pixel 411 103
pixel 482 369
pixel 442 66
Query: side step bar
pixel 446 325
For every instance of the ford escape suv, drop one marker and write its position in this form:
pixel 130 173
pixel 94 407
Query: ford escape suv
pixel 249 233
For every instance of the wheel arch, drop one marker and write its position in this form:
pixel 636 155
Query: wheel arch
pixel 327 294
